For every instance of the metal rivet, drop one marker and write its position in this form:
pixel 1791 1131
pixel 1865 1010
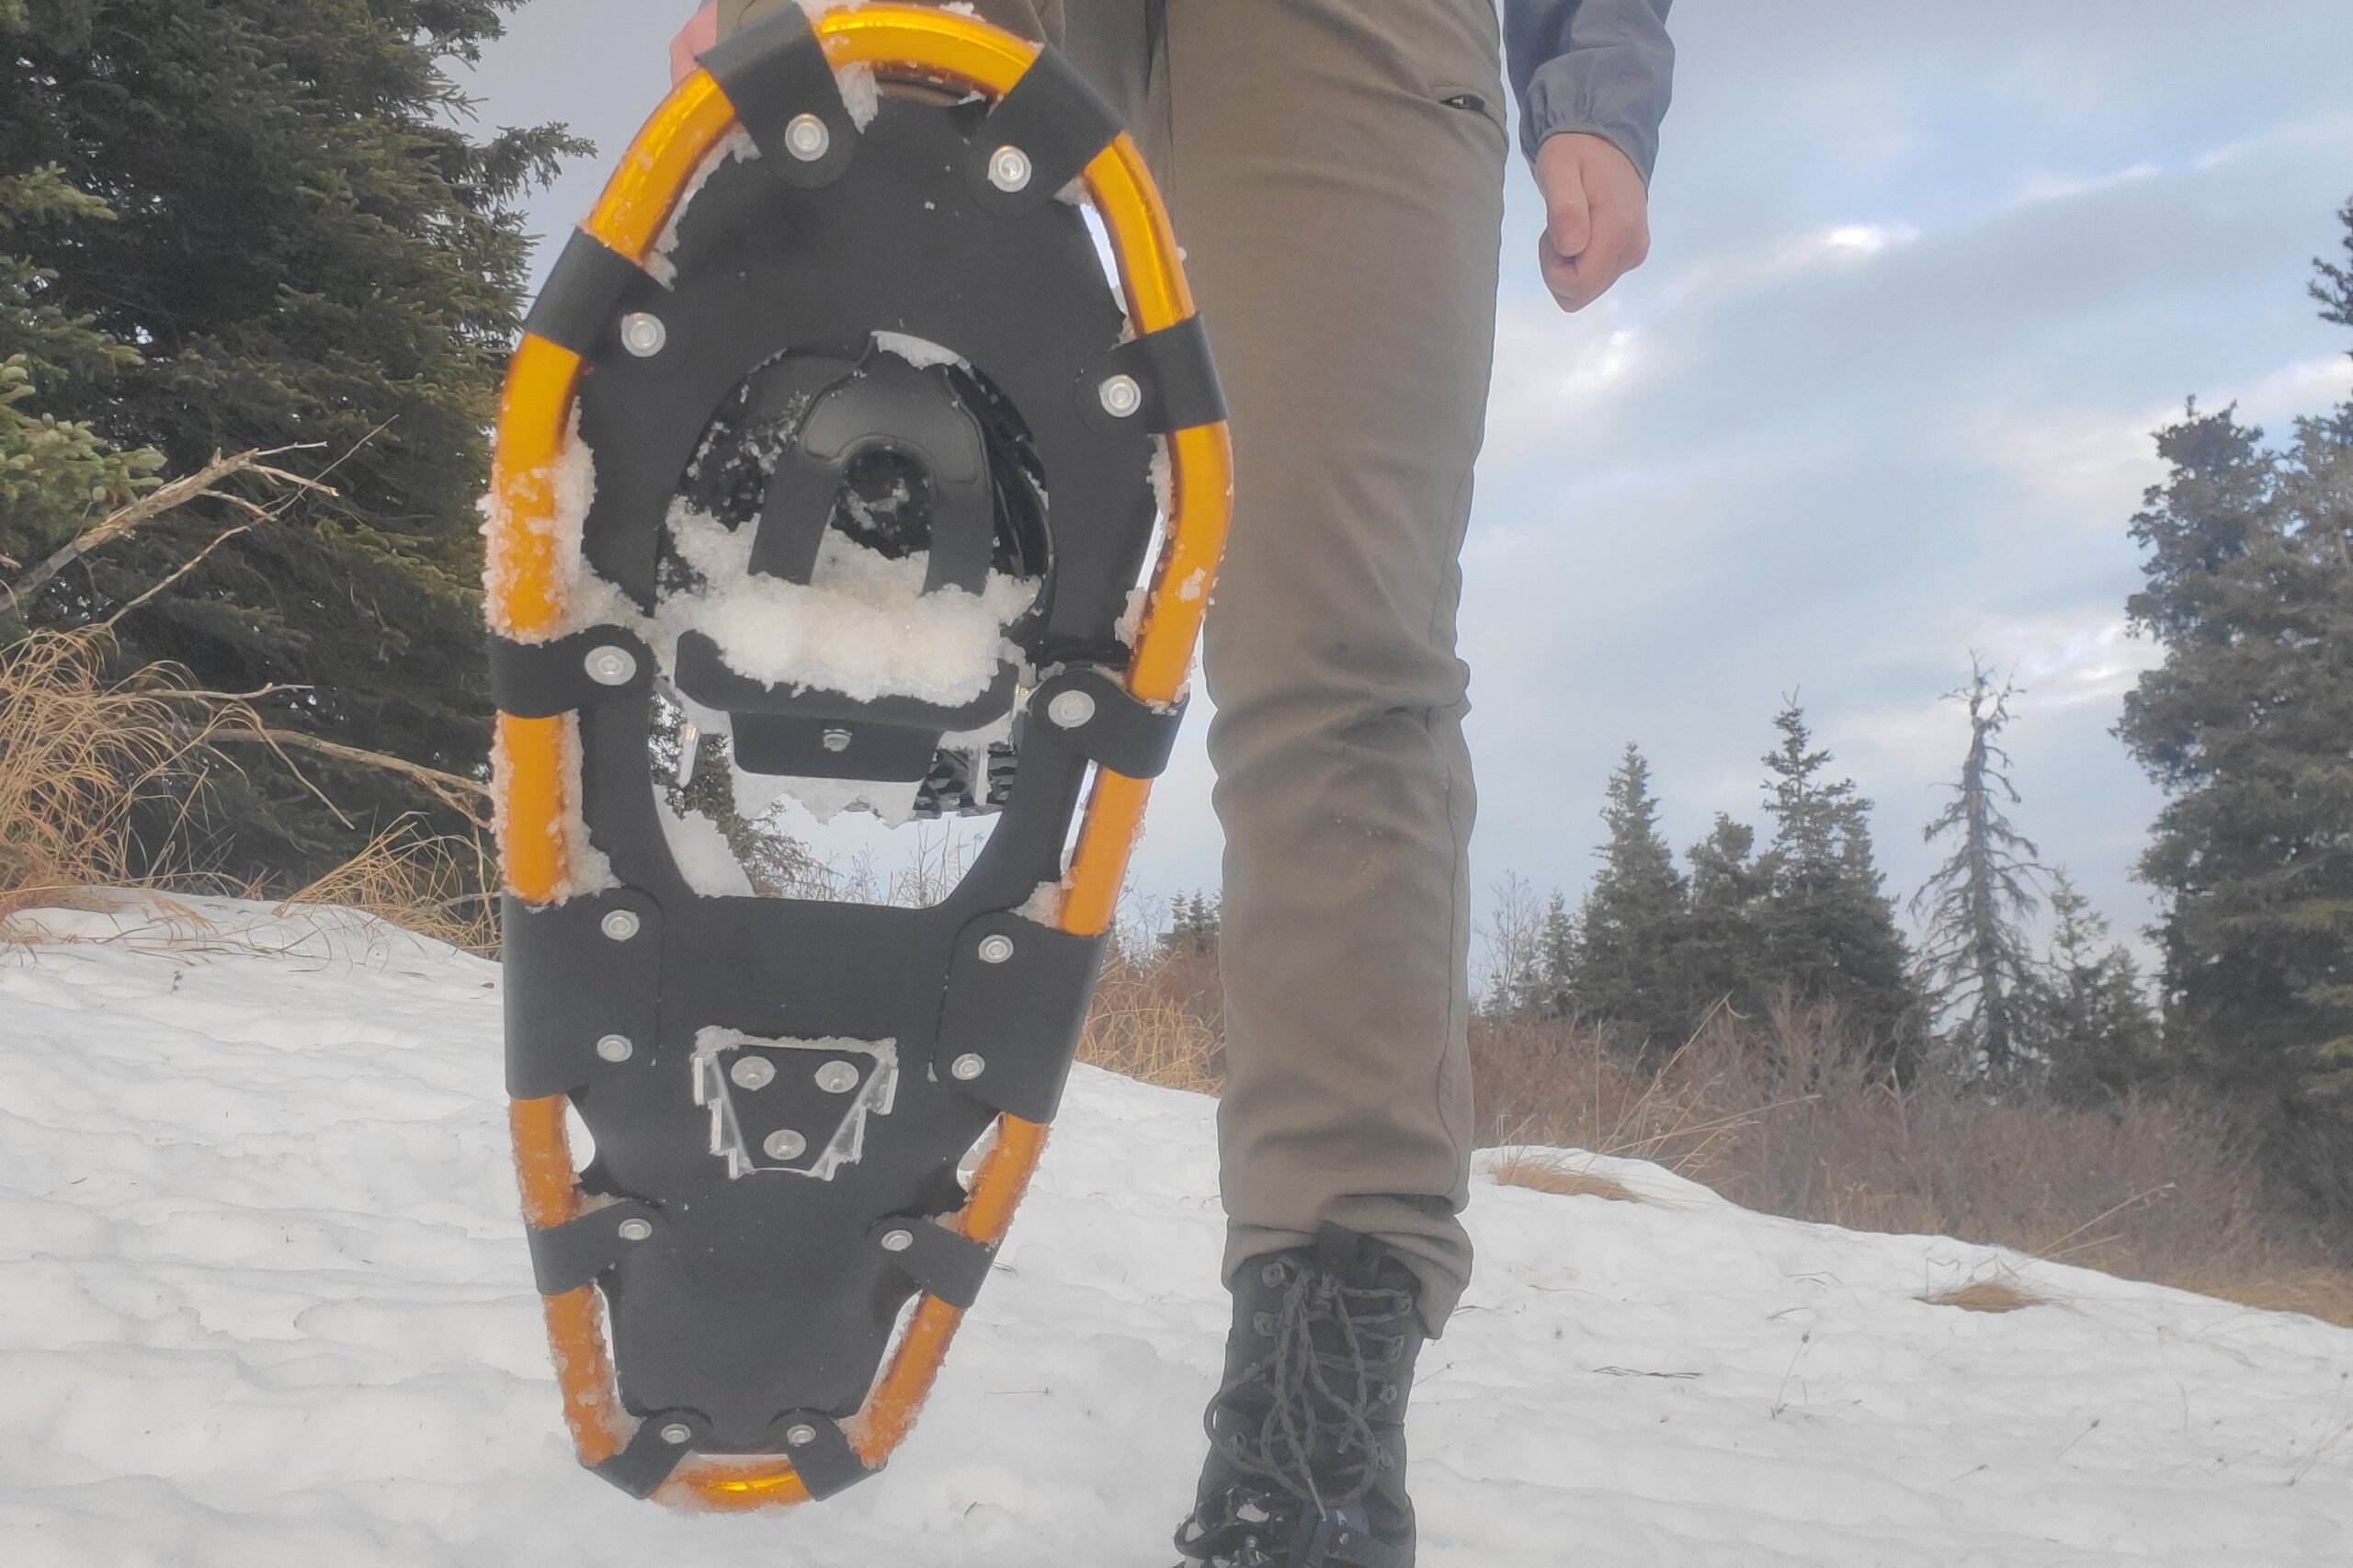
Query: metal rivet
pixel 610 665
pixel 621 925
pixel 784 1144
pixel 806 137
pixel 1122 396
pixel 753 1073
pixel 636 1230
pixel 1071 709
pixel 644 335
pixel 968 1067
pixel 898 1241
pixel 995 949
pixel 615 1048
pixel 801 1437
pixel 1009 169
pixel 676 1432
pixel 837 740
pixel 838 1077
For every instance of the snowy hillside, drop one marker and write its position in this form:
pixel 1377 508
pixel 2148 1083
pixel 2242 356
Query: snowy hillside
pixel 264 1301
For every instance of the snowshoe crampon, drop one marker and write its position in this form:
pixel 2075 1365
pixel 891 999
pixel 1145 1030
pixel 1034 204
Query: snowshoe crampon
pixel 830 430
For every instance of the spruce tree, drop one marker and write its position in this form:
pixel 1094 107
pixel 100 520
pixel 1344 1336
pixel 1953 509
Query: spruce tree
pixel 1979 968
pixel 1829 933
pixel 2087 1013
pixel 2249 592
pixel 1725 961
pixel 57 475
pixel 305 249
pixel 1626 970
pixel 1556 956
pixel 1193 925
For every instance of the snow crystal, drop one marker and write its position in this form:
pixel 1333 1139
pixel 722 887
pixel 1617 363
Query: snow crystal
pixel 1044 904
pixel 864 627
pixel 919 352
pixel 1130 621
pixel 825 799
pixel 586 867
pixel 703 854
pixel 735 146
pixel 861 94
pixel 1163 477
pixel 571 481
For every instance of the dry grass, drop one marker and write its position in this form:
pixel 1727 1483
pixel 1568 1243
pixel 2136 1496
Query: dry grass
pixel 80 753
pixel 1143 1026
pixel 422 883
pixel 1782 1114
pixel 1561 1175
pixel 1985 1296
pixel 103 775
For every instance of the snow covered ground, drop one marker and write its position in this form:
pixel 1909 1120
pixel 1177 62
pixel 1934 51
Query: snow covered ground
pixel 263 1301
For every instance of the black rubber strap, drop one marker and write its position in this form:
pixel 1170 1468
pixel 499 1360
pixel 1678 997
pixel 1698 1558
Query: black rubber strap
pixel 1174 370
pixel 822 1457
pixel 937 1259
pixel 567 1257
pixel 1010 1021
pixel 773 72
pixel 540 680
pixel 577 308
pixel 647 1461
pixel 1056 117
pixel 571 983
pixel 1119 731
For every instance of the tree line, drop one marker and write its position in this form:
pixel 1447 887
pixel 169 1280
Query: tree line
pixel 233 226
pixel 2016 986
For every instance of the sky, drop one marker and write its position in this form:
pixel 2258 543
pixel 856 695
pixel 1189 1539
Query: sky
pixel 1924 280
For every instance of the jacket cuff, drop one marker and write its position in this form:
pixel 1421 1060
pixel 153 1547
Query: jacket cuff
pixel 1574 94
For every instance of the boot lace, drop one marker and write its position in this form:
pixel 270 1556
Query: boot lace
pixel 1321 1397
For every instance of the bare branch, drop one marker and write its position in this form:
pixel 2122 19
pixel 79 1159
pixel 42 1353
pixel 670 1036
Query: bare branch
pixel 190 565
pixel 165 499
pixel 469 797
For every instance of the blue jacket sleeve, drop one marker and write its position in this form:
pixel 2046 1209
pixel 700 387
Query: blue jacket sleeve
pixel 1602 66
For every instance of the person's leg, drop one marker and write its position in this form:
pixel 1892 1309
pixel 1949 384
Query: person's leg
pixel 1336 172
pixel 1336 169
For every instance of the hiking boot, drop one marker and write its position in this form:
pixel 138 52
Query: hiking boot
pixel 1307 1435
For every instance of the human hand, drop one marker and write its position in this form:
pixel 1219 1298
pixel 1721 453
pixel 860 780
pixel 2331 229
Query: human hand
pixel 700 34
pixel 1596 217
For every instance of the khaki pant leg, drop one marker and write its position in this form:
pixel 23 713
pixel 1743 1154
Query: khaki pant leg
pixel 1342 223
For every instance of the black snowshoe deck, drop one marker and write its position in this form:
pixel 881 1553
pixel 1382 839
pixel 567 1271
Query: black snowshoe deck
pixel 782 1091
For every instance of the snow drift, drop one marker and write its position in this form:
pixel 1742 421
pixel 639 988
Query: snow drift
pixel 264 1301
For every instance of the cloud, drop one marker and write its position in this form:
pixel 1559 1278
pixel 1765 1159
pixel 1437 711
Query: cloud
pixel 1923 280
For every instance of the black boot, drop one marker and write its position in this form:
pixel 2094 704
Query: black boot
pixel 1307 1437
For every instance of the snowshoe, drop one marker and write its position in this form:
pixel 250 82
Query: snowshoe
pixel 830 432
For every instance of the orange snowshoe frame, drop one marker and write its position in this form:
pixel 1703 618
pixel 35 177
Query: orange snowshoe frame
pixel 536 759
